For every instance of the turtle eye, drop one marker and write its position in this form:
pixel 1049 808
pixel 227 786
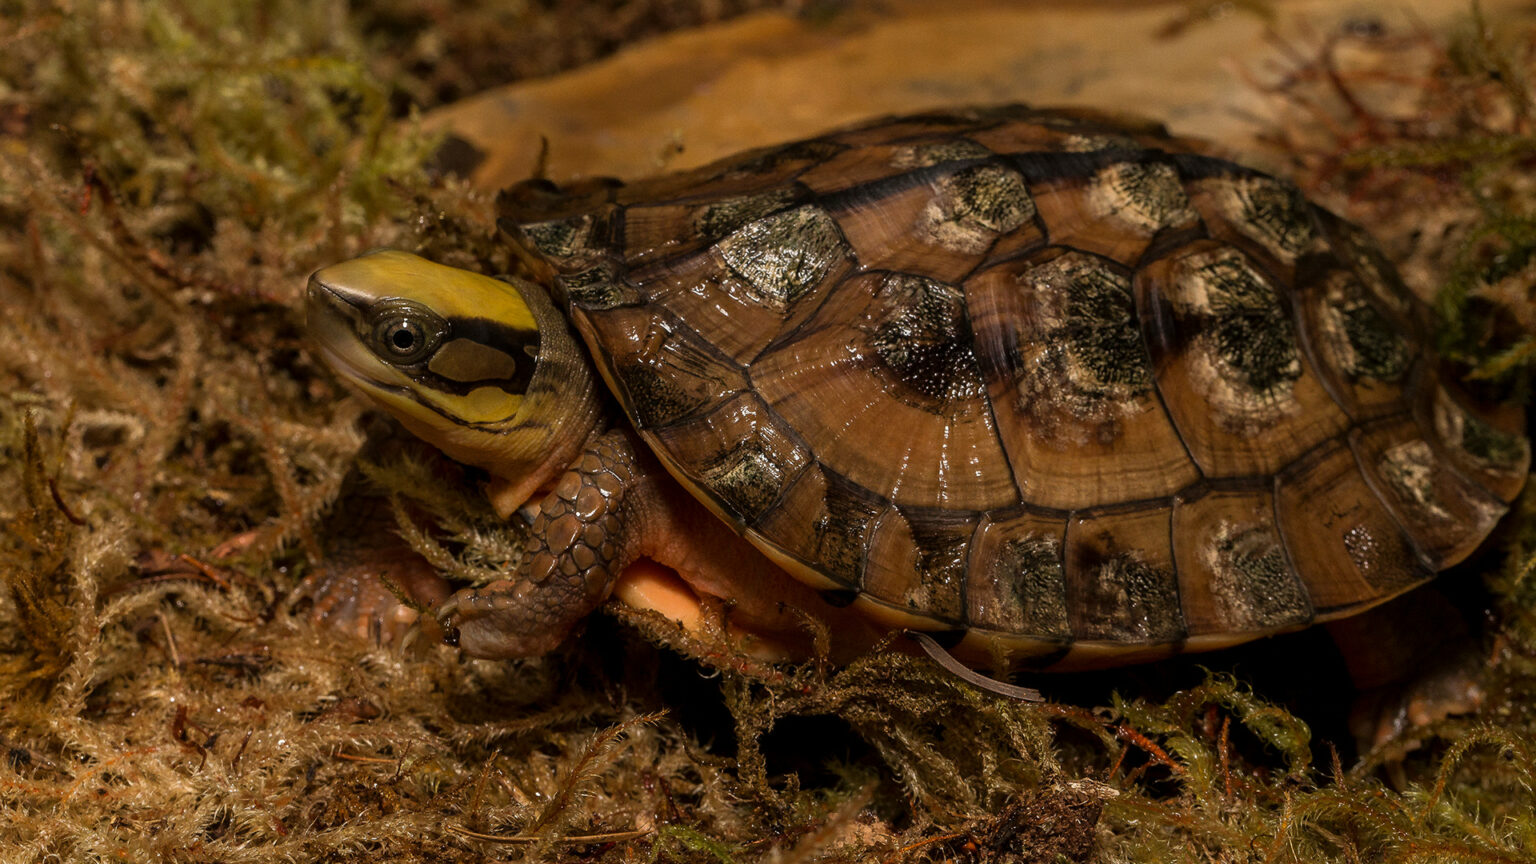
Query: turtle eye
pixel 405 332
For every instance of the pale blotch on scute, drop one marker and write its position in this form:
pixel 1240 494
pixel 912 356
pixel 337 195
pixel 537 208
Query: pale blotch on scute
pixel 1489 448
pixel 747 478
pixel 1359 339
pixel 932 153
pixel 726 215
pixel 1252 587
pixel 1079 143
pixel 597 288
pixel 1409 468
pixel 561 238
pixel 842 530
pixel 1245 357
pixel 972 206
pixel 1094 364
pixel 784 255
pixel 1270 213
pixel 1370 556
pixel 1370 265
pixel 1143 196
pixel 1138 602
pixel 1025 591
pixel 940 573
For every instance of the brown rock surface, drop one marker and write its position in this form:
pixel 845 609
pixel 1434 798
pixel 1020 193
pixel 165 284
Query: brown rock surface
pixel 692 96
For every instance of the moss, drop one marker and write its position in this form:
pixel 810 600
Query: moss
pixel 175 452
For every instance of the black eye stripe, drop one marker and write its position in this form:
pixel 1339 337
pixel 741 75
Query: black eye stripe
pixel 520 344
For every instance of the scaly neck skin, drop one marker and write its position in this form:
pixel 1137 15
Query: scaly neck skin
pixel 561 412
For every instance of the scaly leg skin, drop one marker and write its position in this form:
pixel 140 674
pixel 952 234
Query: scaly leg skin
pixel 614 506
pixel 584 533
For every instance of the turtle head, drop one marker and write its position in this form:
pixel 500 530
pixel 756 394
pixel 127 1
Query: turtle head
pixel 486 370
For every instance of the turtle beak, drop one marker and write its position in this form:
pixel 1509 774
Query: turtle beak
pixel 336 326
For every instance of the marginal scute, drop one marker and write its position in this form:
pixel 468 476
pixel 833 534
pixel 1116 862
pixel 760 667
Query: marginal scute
pixel 744 454
pixel 1482 445
pixel 1360 255
pixel 1445 514
pixel 1233 573
pixel 1016 582
pixel 1121 585
pixel 1351 551
pixel 917 561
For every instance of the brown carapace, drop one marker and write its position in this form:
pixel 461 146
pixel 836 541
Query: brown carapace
pixel 1066 387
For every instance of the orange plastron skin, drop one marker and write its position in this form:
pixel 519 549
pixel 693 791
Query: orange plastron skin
pixel 1054 387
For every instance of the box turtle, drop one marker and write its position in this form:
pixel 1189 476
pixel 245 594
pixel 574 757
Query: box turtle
pixel 1055 387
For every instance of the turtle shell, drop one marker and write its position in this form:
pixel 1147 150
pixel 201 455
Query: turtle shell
pixel 1066 386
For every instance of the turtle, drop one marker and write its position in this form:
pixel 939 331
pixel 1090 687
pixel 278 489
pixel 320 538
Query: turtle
pixel 1054 387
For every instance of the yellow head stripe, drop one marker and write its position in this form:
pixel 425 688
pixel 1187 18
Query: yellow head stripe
pixel 448 291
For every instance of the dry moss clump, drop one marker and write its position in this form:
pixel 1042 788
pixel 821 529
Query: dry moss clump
pixel 169 175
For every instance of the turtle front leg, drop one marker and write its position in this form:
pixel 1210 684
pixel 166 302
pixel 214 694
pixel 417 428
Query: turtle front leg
pixel 585 532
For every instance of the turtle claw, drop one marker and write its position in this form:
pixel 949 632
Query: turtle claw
pixel 505 619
